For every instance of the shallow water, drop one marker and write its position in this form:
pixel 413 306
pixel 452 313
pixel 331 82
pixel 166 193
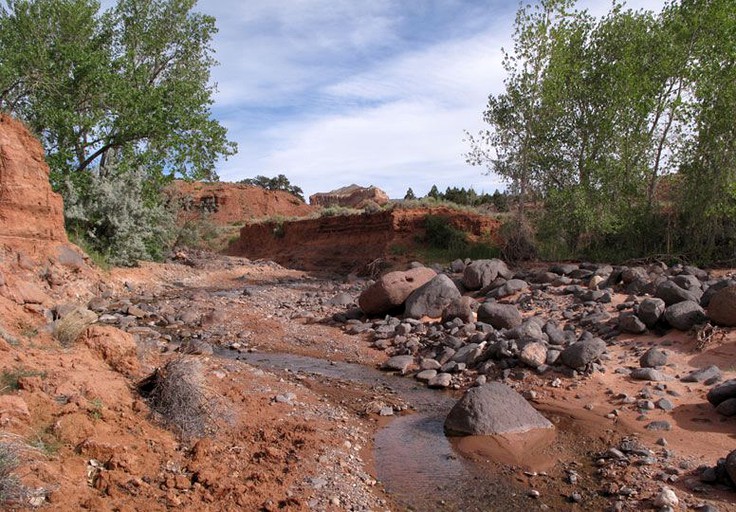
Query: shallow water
pixel 414 460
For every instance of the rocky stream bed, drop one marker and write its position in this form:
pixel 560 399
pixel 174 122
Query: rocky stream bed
pixel 592 347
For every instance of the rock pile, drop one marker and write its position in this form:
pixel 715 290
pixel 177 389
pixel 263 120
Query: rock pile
pixel 493 320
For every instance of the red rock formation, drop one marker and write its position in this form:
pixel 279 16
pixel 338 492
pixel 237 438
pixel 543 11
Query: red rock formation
pixel 36 259
pixel 348 242
pixel 28 207
pixel 229 203
pixel 352 196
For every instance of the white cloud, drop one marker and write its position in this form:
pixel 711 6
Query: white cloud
pixel 362 104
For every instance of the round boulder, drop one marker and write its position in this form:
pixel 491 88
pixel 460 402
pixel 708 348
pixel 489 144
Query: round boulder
pixel 391 290
pixel 580 354
pixel 493 409
pixel 482 273
pixel 500 316
pixel 684 315
pixel 722 307
pixel 432 298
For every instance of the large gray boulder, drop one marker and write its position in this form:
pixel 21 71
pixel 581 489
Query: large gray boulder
pixel 650 311
pixel 510 287
pixel 722 392
pixel 671 293
pixel 482 273
pixel 722 306
pixel 500 316
pixel 432 298
pixel 629 322
pixel 493 409
pixel 583 352
pixel 391 290
pixel 684 315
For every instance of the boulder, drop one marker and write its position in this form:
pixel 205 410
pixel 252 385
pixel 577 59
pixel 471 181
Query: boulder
pixel 684 315
pixel 529 329
pixel 722 392
pixel 653 357
pixel 401 364
pixel 482 273
pixel 629 322
pixel 710 373
pixel 533 354
pixel 493 409
pixel 391 290
pixel 714 288
pixel 500 316
pixel 730 466
pixel 461 308
pixel 722 307
pixel 432 298
pixel 580 354
pixel 671 293
pixel 510 287
pixel 650 311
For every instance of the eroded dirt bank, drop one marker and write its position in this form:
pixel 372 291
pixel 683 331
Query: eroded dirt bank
pixel 349 242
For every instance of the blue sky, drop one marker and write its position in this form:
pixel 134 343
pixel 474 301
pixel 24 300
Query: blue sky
pixel 376 92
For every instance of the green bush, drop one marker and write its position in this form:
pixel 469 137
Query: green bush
pixel 441 234
pixel 120 216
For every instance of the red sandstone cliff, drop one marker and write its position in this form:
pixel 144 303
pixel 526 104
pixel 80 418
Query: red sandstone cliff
pixel 28 207
pixel 231 203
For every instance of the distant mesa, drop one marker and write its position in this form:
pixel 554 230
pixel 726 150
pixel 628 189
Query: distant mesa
pixel 352 196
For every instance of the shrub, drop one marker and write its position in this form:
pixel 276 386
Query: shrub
pixel 12 491
pixel 120 216
pixel 439 233
pixel 518 240
pixel 177 394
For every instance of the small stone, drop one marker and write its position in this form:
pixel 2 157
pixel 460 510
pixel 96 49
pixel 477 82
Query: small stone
pixel 666 498
pixel 658 425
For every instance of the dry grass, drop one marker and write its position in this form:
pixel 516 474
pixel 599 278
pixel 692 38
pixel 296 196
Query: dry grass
pixel 707 334
pixel 12 491
pixel 68 328
pixel 177 394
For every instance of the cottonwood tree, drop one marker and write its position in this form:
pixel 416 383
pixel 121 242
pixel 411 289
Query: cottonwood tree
pixel 125 91
pixel 595 113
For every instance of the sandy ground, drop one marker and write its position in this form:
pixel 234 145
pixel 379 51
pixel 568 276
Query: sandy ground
pixel 284 441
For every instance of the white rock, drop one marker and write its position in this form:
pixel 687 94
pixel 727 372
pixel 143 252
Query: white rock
pixel 666 498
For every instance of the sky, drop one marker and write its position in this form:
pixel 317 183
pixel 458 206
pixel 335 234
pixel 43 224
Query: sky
pixel 371 92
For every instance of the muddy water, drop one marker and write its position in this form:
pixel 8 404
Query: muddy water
pixel 414 460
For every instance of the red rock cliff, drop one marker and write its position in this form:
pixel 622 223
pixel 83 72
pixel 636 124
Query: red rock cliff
pixel 228 203
pixel 28 207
